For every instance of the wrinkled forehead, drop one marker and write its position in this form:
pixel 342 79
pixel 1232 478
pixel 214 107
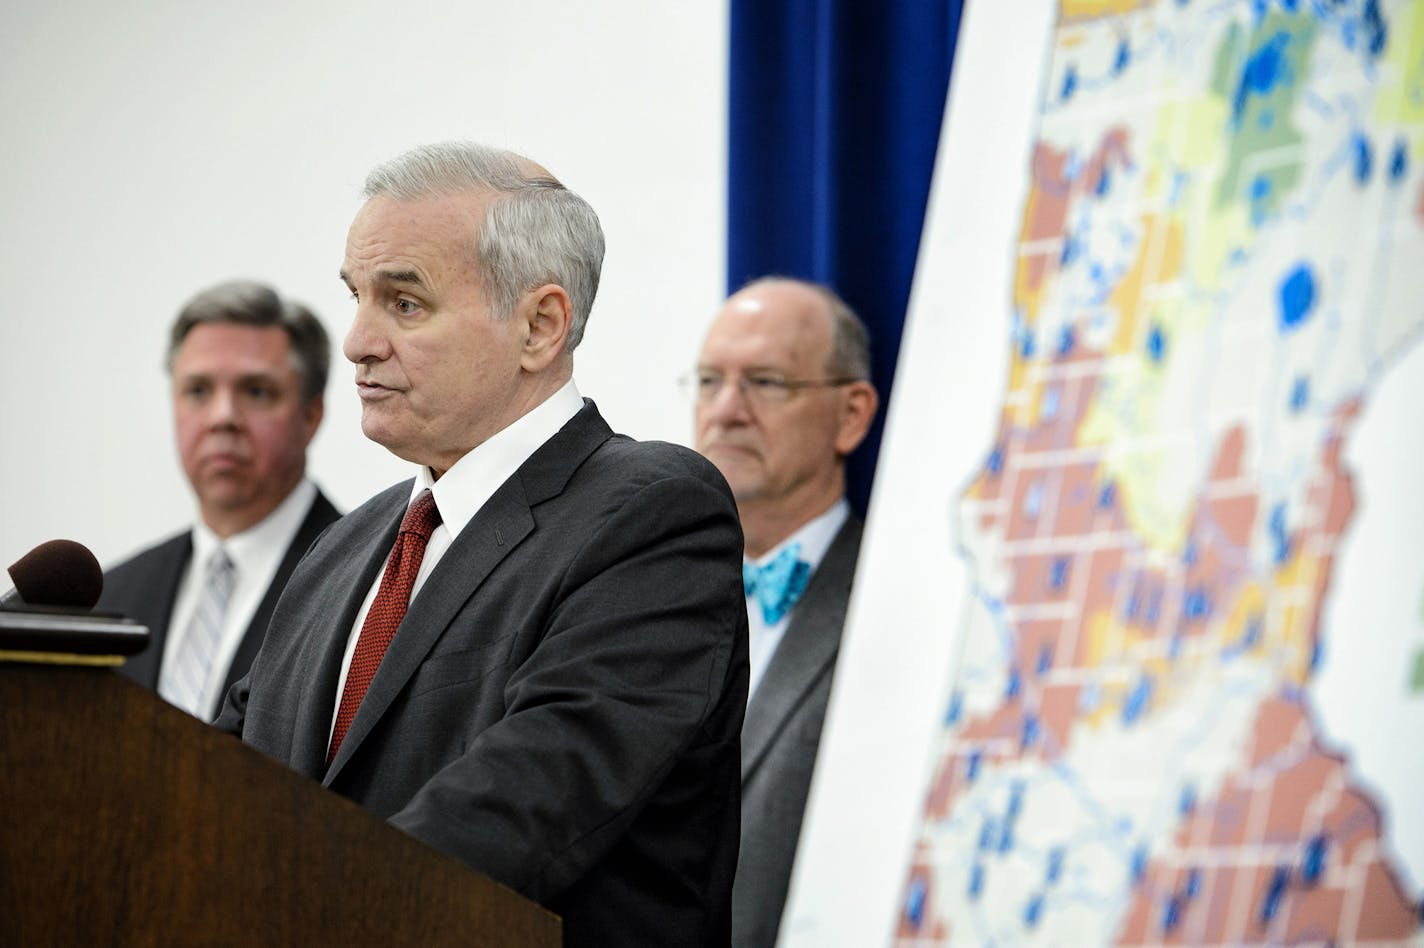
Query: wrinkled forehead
pixel 413 237
pixel 385 218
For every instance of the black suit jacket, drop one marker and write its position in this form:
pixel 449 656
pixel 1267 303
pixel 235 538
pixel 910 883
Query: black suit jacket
pixel 145 587
pixel 780 739
pixel 562 705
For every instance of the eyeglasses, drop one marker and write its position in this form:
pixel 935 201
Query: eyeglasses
pixel 757 388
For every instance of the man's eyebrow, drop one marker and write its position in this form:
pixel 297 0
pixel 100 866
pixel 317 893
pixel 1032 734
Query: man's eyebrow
pixel 744 370
pixel 390 276
pixel 399 276
pixel 244 378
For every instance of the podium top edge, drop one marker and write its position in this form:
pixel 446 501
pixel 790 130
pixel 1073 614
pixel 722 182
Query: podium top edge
pixel 83 633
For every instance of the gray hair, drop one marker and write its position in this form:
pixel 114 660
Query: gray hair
pixel 535 231
pixel 850 340
pixel 248 303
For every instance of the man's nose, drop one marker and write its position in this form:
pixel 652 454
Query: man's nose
pixel 365 340
pixel 223 408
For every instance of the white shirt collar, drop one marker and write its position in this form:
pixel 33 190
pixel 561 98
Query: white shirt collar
pixel 265 540
pixel 256 553
pixel 463 490
pixel 815 536
pixel 470 481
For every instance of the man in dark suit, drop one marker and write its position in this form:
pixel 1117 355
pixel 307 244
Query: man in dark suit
pixel 248 371
pixel 783 396
pixel 533 655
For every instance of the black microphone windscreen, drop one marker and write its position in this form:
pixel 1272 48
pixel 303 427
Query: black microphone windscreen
pixel 59 573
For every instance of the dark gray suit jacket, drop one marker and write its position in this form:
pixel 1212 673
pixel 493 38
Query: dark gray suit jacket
pixel 562 705
pixel 779 742
pixel 145 587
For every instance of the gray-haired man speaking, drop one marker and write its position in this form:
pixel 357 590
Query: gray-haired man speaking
pixel 532 655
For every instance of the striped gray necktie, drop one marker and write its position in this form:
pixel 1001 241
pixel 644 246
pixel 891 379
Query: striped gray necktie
pixel 185 678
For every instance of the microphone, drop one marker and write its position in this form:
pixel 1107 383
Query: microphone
pixel 60 574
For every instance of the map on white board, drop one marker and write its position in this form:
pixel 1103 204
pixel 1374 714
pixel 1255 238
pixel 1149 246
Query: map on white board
pixel 1136 649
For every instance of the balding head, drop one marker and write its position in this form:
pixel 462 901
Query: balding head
pixel 780 403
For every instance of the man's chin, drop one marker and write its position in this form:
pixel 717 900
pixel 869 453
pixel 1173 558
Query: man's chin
pixel 376 430
pixel 226 496
pixel 402 447
pixel 730 457
pixel 745 484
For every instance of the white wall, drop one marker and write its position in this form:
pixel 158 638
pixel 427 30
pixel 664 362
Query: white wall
pixel 154 148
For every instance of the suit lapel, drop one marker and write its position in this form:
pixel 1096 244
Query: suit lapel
pixel 319 516
pixel 491 535
pixel 806 651
pixel 486 540
pixel 173 559
pixel 343 584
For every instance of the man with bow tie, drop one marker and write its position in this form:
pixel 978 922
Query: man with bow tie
pixel 783 397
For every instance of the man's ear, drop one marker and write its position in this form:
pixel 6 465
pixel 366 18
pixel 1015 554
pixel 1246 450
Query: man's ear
pixel 312 413
pixel 548 315
pixel 858 404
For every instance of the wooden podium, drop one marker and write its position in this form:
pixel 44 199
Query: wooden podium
pixel 124 821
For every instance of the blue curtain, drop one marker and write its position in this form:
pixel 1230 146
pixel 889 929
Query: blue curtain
pixel 835 115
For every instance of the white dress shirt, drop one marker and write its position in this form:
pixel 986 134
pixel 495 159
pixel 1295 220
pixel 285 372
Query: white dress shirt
pixel 463 490
pixel 815 537
pixel 255 553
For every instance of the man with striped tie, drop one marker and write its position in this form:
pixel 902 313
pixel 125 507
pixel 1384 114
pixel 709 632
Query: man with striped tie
pixel 248 369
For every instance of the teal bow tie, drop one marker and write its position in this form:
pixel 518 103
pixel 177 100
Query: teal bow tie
pixel 777 585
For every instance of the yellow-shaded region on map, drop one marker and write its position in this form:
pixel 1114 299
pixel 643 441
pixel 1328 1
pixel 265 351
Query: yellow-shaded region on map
pixel 1219 233
pixel 1159 259
pixel 1401 95
pixel 1189 131
pixel 1074 10
pixel 1152 472
pixel 1105 638
pixel 1022 410
pixel 1293 630
pixel 1248 606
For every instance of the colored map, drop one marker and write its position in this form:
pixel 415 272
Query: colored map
pixel 1220 264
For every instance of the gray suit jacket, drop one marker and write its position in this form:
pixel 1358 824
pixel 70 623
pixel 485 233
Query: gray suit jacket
pixel 779 742
pixel 562 705
pixel 145 587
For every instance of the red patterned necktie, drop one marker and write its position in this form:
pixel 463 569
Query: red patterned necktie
pixel 387 611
